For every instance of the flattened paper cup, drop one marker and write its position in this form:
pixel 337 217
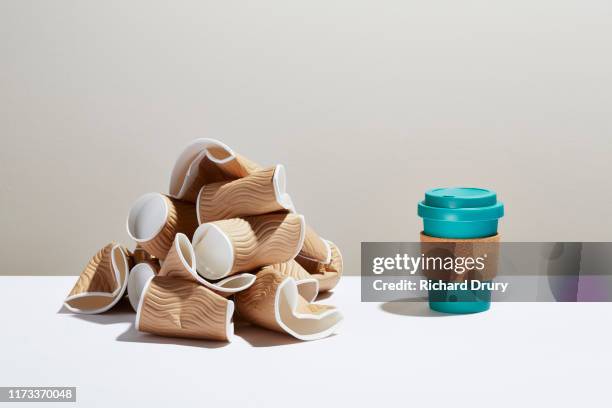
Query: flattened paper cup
pixel 180 263
pixel 206 161
pixel 328 274
pixel 181 308
pixel 273 302
pixel 140 275
pixel 307 285
pixel 261 192
pixel 155 219
pixel 315 248
pixel 223 248
pixel 102 283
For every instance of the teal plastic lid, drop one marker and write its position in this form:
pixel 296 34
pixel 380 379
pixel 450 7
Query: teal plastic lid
pixel 461 204
pixel 460 197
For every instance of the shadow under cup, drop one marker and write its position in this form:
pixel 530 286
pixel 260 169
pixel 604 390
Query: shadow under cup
pixel 459 301
pixel 460 219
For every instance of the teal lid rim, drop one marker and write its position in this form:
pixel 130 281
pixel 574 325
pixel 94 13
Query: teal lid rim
pixel 444 198
pixel 461 214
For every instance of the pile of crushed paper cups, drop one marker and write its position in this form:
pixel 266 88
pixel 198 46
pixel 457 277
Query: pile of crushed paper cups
pixel 225 240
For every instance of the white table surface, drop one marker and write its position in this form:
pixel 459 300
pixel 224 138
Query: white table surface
pixel 517 354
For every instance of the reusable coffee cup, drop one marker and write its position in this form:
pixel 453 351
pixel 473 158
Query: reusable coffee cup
pixel 468 215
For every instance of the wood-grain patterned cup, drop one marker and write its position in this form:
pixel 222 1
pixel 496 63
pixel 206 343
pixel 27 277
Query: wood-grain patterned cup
pixel 181 308
pixel 315 248
pixel 206 161
pixel 102 283
pixel 328 274
pixel 180 263
pixel 154 219
pixel 307 285
pixel 273 302
pixel 261 192
pixel 226 247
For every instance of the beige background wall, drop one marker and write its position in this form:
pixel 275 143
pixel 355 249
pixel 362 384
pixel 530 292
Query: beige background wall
pixel 367 103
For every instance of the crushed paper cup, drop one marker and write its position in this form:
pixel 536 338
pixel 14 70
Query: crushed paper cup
pixel 226 247
pixel 307 285
pixel 137 280
pixel 261 192
pixel 102 283
pixel 154 219
pixel 206 161
pixel 180 263
pixel 315 248
pixel 181 308
pixel 273 302
pixel 327 274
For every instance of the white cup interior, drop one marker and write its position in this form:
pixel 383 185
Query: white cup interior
pixel 147 217
pixel 139 276
pixel 280 188
pixel 185 251
pixel 308 289
pixel 213 251
pixel 299 325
